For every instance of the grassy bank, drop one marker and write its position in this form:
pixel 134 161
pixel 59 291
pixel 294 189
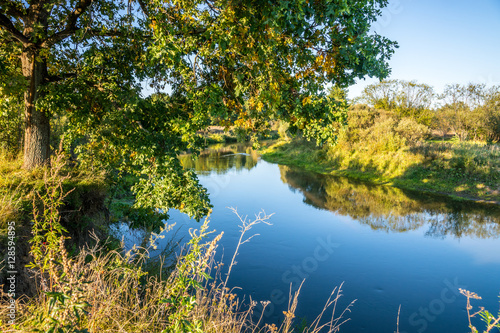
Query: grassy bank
pixel 463 170
pixel 18 193
pixel 68 279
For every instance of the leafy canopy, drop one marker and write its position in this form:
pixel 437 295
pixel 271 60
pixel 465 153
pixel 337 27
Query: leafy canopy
pixel 224 61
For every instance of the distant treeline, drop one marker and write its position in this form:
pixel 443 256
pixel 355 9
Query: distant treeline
pixel 468 112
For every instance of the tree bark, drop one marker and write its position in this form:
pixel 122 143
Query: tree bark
pixel 37 122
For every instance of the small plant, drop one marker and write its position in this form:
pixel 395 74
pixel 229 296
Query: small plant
pixel 490 320
pixel 245 226
pixel 61 284
pixel 47 230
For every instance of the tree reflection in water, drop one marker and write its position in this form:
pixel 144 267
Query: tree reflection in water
pixel 392 209
pixel 381 207
pixel 221 158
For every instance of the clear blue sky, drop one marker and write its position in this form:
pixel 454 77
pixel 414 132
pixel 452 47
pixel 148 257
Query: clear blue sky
pixel 441 42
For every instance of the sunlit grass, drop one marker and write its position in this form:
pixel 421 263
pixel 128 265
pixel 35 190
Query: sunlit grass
pixel 11 176
pixel 469 169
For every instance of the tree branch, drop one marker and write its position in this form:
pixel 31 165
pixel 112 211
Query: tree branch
pixel 11 9
pixel 60 77
pixel 212 7
pixel 71 27
pixel 7 24
pixel 109 33
pixel 144 8
pixel 112 33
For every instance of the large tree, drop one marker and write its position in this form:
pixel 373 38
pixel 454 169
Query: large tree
pixel 406 98
pixel 236 61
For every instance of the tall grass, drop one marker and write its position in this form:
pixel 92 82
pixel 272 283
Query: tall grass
pixel 465 169
pixel 98 290
pixel 10 198
pixel 101 291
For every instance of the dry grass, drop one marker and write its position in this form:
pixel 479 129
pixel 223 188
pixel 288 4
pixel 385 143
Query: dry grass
pixel 100 291
pixel 489 319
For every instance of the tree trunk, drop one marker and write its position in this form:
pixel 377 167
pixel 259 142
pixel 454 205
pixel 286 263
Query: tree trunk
pixel 37 122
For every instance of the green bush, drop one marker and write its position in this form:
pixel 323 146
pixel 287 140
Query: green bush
pixel 411 130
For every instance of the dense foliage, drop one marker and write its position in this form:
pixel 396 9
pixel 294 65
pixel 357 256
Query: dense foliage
pixel 469 112
pixel 82 66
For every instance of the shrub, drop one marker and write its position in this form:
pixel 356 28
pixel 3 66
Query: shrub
pixel 411 130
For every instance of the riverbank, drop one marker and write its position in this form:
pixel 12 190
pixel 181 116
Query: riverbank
pixel 220 134
pixel 61 272
pixel 460 170
pixel 150 297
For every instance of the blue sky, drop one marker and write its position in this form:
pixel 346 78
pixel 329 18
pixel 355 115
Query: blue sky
pixel 441 42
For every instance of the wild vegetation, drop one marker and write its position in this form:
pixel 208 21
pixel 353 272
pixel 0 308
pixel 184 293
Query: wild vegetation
pixel 82 146
pixel 401 139
pixel 103 288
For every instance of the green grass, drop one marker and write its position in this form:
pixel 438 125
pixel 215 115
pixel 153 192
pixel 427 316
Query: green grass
pixel 83 208
pixel 465 170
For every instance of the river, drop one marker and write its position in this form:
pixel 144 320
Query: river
pixel 390 248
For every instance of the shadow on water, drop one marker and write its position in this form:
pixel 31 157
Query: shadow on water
pixel 392 209
pixel 221 158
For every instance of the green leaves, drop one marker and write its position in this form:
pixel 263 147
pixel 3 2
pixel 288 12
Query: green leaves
pixel 218 61
pixel 168 186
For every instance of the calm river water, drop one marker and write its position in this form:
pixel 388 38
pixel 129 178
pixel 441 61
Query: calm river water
pixel 388 247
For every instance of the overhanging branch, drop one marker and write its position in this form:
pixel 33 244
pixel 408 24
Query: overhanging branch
pixel 7 25
pixel 144 8
pixel 59 77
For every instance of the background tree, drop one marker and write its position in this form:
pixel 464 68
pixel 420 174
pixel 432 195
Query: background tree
pixel 415 100
pixel 381 95
pixel 241 62
pixel 405 98
pixel 491 114
pixel 459 109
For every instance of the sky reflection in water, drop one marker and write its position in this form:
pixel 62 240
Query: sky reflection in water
pixel 388 246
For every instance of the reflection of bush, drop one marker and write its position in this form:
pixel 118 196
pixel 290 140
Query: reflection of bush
pixel 221 158
pixel 391 209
